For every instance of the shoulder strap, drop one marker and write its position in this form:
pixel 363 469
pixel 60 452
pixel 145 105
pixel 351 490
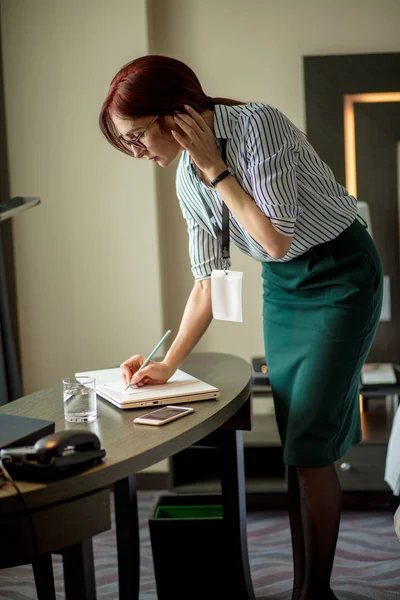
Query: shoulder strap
pixel 222 235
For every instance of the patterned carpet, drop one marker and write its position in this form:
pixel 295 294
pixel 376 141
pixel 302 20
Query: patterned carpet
pixel 367 564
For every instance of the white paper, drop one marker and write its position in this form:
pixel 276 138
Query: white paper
pixel 226 295
pixel 396 522
pixel 392 467
pixel 363 211
pixel 117 385
pixel 375 373
pixel 386 312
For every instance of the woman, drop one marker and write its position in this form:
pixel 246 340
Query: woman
pixel 322 276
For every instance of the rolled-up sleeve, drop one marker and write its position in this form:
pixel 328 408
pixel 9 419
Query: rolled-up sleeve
pixel 272 154
pixel 204 251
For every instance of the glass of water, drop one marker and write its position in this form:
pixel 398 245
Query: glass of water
pixel 80 401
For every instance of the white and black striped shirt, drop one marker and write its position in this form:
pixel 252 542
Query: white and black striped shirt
pixel 276 165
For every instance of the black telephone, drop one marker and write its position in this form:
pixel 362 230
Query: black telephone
pixel 53 456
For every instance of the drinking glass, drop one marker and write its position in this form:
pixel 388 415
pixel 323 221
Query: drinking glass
pixel 80 400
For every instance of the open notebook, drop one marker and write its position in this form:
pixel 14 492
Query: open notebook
pixel 181 387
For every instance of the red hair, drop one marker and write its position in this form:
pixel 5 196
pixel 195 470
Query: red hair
pixel 149 86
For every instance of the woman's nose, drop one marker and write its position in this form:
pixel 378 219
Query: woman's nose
pixel 138 152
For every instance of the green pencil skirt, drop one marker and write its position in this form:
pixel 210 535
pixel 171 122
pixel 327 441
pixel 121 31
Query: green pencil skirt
pixel 320 313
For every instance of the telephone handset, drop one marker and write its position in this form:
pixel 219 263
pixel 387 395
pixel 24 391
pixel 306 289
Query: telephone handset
pixel 53 456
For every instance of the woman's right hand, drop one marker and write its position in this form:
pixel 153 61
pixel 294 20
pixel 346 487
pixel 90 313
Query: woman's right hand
pixel 154 373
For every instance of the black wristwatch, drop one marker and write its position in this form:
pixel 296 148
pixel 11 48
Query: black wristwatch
pixel 221 176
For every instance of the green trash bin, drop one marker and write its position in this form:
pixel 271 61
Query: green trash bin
pixel 188 541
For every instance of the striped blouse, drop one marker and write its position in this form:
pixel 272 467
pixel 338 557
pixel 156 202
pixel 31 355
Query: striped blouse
pixel 276 165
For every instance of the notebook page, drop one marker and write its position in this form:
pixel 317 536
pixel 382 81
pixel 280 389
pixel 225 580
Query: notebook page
pixel 178 378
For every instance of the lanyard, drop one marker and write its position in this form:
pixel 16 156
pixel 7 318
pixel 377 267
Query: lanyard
pixel 222 235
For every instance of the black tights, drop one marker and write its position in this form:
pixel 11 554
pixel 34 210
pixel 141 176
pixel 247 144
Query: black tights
pixel 315 500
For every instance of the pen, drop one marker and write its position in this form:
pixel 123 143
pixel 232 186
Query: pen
pixel 152 353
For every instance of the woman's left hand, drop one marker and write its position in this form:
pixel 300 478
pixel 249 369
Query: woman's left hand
pixel 198 139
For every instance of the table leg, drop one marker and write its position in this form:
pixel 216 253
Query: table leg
pixel 44 578
pixel 234 509
pixel 128 541
pixel 79 578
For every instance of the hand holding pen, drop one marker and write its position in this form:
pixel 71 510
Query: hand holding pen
pixel 137 370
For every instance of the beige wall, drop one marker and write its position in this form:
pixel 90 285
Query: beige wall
pixel 89 277
pixel 252 51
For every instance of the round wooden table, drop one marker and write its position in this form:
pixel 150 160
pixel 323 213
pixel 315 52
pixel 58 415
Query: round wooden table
pixel 67 513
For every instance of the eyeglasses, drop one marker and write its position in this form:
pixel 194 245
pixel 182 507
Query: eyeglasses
pixel 135 141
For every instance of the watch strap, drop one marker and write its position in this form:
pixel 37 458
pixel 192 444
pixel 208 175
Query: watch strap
pixel 220 177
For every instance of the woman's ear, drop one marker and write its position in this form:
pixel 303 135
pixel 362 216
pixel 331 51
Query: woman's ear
pixel 170 123
pixel 164 123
